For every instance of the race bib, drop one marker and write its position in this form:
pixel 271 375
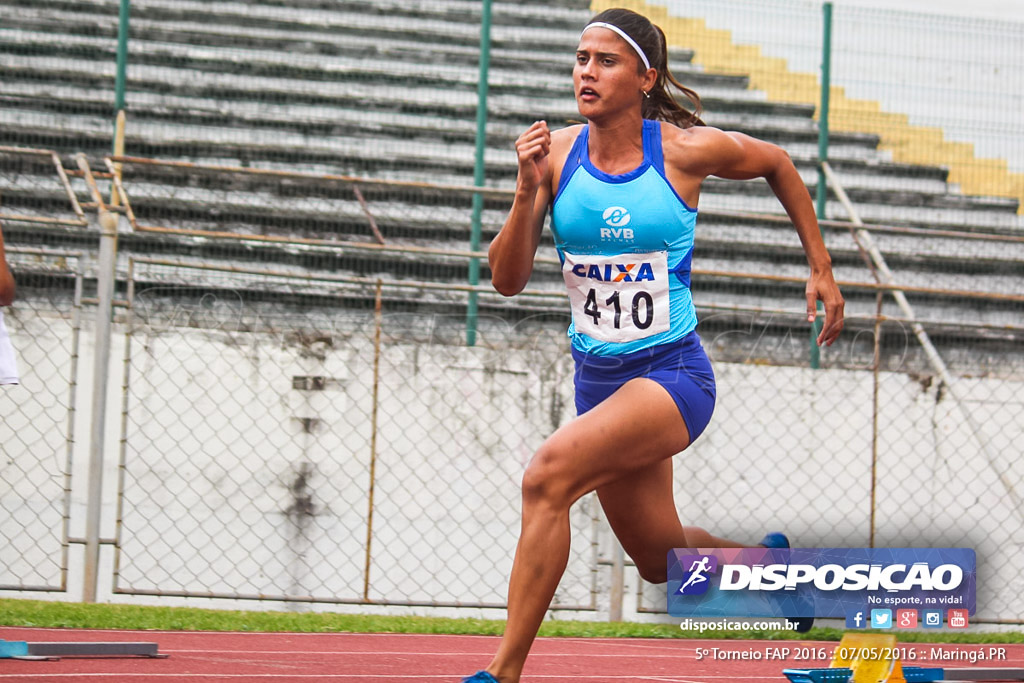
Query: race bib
pixel 618 298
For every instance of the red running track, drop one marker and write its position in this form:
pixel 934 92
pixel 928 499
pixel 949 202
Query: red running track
pixel 377 658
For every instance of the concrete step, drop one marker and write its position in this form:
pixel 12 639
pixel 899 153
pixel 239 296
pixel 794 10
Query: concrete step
pixel 525 25
pixel 356 33
pixel 879 198
pixel 396 159
pixel 316 208
pixel 347 118
pixel 361 59
pixel 711 293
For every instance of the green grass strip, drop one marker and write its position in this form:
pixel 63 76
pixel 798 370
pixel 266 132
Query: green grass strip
pixel 41 613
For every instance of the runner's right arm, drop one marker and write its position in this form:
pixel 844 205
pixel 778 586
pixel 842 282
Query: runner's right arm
pixel 513 249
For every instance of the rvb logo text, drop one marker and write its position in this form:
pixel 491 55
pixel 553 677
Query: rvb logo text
pixel 616 233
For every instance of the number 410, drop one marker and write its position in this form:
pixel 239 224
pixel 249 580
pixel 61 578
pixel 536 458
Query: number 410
pixel 641 297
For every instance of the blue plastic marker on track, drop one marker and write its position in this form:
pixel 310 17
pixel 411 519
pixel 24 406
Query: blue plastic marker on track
pixel 13 648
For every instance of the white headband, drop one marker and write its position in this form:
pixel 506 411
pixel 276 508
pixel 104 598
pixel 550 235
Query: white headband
pixel 625 37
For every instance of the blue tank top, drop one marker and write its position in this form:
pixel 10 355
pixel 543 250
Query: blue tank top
pixel 625 242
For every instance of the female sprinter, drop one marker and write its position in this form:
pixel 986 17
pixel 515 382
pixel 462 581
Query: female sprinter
pixel 623 193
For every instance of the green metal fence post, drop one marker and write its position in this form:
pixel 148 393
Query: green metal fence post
pixel 122 62
pixel 478 167
pixel 822 189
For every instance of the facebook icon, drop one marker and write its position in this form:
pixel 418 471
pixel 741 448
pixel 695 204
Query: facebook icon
pixel 856 619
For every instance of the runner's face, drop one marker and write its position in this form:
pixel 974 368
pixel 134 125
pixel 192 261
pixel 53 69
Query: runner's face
pixel 605 77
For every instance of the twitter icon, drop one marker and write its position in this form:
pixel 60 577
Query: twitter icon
pixel 881 618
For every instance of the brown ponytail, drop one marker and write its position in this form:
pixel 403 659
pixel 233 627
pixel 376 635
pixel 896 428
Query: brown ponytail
pixel 658 104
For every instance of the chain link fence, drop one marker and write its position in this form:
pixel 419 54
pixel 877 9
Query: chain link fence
pixel 38 420
pixel 867 458
pixel 321 451
pixel 297 437
pixel 297 416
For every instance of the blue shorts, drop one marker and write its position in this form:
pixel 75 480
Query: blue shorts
pixel 681 367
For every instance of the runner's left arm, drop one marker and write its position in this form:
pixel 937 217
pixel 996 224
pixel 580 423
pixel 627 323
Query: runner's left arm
pixel 736 156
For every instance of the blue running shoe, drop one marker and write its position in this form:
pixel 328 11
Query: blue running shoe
pixel 480 677
pixel 777 539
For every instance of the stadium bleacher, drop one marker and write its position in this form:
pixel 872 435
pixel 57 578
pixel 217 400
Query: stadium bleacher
pixel 387 91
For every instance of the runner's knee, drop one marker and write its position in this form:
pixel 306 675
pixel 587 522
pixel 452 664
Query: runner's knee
pixel 652 572
pixel 547 480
